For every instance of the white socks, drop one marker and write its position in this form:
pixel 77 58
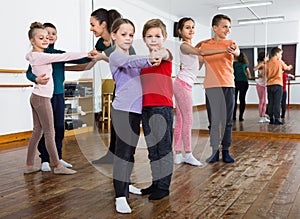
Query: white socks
pixel 45 167
pixel 122 205
pixel 189 159
pixel 178 159
pixel 134 190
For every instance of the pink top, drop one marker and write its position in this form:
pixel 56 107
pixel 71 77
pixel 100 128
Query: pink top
pixel 41 63
pixel 189 67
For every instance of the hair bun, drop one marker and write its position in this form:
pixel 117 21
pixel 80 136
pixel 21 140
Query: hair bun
pixel 36 25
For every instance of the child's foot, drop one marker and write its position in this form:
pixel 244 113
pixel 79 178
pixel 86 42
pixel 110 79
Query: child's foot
pixel 266 119
pixel 190 159
pixel 277 122
pixel 226 157
pixel 158 194
pixel 261 120
pixel 134 190
pixel 178 159
pixel 45 167
pixel 148 190
pixel 213 158
pixel 122 205
pixel 65 164
pixel 31 170
pixel 63 170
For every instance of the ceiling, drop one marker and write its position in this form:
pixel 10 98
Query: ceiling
pixel 204 10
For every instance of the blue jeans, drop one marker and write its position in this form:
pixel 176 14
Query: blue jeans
pixel 220 105
pixel 158 130
pixel 58 108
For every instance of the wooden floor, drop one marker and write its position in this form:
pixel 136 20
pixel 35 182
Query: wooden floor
pixel 264 182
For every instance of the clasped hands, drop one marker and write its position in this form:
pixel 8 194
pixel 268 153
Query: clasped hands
pixel 157 55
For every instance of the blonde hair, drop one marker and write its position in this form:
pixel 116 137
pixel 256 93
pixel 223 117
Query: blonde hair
pixel 33 27
pixel 117 23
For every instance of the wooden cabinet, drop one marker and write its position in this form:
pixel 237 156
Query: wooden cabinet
pixel 79 106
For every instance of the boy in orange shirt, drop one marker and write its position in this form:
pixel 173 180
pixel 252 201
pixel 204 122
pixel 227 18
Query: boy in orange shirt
pixel 219 87
pixel 275 68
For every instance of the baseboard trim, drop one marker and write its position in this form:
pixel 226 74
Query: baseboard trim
pixel 20 136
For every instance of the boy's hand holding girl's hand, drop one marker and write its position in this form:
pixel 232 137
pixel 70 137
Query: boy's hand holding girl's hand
pixel 158 55
pixel 155 57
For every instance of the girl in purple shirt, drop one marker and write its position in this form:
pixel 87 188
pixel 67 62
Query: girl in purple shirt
pixel 127 106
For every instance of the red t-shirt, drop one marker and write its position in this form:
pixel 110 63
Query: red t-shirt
pixel 157 85
pixel 284 76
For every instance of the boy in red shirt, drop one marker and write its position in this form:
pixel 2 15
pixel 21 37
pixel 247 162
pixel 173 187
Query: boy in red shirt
pixel 157 114
pixel 285 77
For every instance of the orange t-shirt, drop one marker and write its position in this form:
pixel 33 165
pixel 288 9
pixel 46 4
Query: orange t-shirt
pixel 218 67
pixel 275 69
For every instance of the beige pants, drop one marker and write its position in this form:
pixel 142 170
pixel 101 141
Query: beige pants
pixel 42 115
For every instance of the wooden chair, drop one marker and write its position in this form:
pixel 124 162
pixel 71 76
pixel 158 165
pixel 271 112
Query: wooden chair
pixel 107 94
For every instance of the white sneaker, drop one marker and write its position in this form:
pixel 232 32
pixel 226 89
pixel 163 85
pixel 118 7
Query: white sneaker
pixel 65 164
pixel 261 120
pixel 134 190
pixel 64 170
pixel 178 159
pixel 190 159
pixel 45 167
pixel 266 119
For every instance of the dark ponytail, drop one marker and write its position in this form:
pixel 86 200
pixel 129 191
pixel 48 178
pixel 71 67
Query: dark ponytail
pixel 101 15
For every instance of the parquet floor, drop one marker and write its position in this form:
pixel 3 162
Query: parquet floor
pixel 264 182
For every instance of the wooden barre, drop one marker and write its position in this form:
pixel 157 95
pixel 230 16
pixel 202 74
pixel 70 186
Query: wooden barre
pixel 15 85
pixel 13 71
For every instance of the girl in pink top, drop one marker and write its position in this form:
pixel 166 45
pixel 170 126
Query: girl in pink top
pixel 40 99
pixel 189 66
pixel 261 87
pixel 183 84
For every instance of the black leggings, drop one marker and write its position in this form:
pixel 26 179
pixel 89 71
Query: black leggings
pixel 241 88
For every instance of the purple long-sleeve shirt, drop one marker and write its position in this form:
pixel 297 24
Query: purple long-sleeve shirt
pixel 126 71
pixel 41 64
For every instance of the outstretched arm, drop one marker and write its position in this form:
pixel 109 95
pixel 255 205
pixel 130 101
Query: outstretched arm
pixel 97 56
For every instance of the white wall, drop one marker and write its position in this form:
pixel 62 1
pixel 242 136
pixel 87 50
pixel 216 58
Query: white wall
pixel 15 19
pixel 72 20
